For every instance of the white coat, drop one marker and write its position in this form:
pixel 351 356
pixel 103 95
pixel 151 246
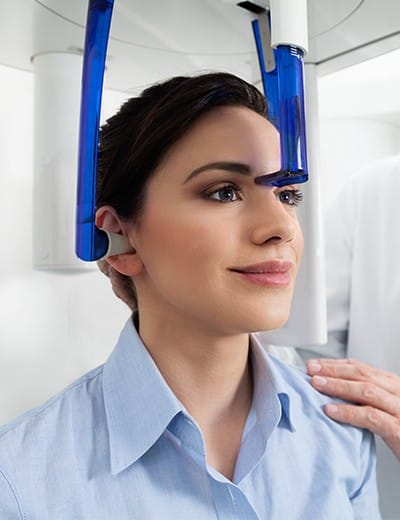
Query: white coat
pixel 363 288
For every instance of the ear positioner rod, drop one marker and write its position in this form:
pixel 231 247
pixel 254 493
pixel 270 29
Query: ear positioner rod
pixel 281 39
pixel 93 243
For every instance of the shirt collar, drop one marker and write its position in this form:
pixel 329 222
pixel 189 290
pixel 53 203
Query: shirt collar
pixel 139 404
pixel 270 380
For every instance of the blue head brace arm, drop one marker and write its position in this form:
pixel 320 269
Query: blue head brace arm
pixel 283 83
pixel 91 242
pixel 282 77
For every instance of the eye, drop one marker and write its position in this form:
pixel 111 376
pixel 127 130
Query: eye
pixel 227 193
pixel 291 197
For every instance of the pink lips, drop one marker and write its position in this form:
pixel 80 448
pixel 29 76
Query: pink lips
pixel 273 273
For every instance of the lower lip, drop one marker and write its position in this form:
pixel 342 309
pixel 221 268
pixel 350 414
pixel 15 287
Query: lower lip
pixel 267 279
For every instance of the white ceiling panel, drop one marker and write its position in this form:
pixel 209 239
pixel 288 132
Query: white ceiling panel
pixel 154 39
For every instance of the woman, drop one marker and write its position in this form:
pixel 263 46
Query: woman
pixel 189 418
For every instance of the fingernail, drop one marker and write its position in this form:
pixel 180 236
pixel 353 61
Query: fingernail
pixel 331 408
pixel 319 381
pixel 314 366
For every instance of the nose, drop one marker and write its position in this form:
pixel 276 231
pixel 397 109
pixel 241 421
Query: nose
pixel 271 220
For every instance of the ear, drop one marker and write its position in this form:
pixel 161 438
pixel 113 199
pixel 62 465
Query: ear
pixel 128 264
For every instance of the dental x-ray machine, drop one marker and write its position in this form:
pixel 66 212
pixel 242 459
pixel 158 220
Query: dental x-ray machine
pixel 280 43
pixel 280 33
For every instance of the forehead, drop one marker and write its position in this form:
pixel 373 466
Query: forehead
pixel 226 133
pixel 228 121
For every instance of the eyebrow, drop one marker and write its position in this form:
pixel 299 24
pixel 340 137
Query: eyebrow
pixel 242 168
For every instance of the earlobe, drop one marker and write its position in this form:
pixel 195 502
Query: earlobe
pixel 128 264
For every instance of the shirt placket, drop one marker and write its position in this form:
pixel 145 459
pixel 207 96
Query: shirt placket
pixel 230 502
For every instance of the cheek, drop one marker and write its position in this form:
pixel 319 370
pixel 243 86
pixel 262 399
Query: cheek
pixel 296 243
pixel 180 239
pixel 299 242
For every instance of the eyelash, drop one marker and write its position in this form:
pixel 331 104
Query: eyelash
pixel 229 186
pixel 296 196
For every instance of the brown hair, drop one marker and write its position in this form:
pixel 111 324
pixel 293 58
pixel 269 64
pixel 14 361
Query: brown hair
pixel 134 141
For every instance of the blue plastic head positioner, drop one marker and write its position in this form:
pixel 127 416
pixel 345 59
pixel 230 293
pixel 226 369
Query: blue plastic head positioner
pixel 91 242
pixel 283 83
pixel 282 76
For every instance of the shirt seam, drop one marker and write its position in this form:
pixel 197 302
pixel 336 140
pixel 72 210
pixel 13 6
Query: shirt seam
pixel 36 412
pixel 14 493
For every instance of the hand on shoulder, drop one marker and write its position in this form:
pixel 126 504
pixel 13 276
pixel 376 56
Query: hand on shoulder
pixel 375 394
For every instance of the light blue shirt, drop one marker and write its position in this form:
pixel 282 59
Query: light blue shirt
pixel 118 445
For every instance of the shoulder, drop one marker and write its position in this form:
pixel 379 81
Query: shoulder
pixel 350 450
pixel 341 456
pixel 297 384
pixel 49 444
pixel 34 432
pixel 307 404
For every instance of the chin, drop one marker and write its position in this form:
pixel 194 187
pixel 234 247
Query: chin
pixel 267 315
pixel 263 321
pixel 274 324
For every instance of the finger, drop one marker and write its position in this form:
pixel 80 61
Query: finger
pixel 355 371
pixel 377 421
pixel 358 392
pixel 350 368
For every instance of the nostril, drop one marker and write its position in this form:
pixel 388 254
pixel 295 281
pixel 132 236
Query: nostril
pixel 275 237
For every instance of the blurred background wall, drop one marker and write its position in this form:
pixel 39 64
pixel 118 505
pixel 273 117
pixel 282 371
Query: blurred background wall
pixel 53 327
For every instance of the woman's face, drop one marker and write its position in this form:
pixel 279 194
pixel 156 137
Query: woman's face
pixel 215 248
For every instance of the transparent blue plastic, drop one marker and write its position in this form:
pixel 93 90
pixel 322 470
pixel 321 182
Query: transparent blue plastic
pixel 91 243
pixel 284 90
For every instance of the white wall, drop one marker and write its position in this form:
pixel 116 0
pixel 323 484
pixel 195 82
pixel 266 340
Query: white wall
pixel 359 118
pixel 53 327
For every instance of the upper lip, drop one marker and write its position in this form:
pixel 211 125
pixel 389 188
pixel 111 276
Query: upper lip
pixel 270 266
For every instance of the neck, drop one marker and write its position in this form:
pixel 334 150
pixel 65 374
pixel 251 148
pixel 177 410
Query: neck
pixel 208 372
